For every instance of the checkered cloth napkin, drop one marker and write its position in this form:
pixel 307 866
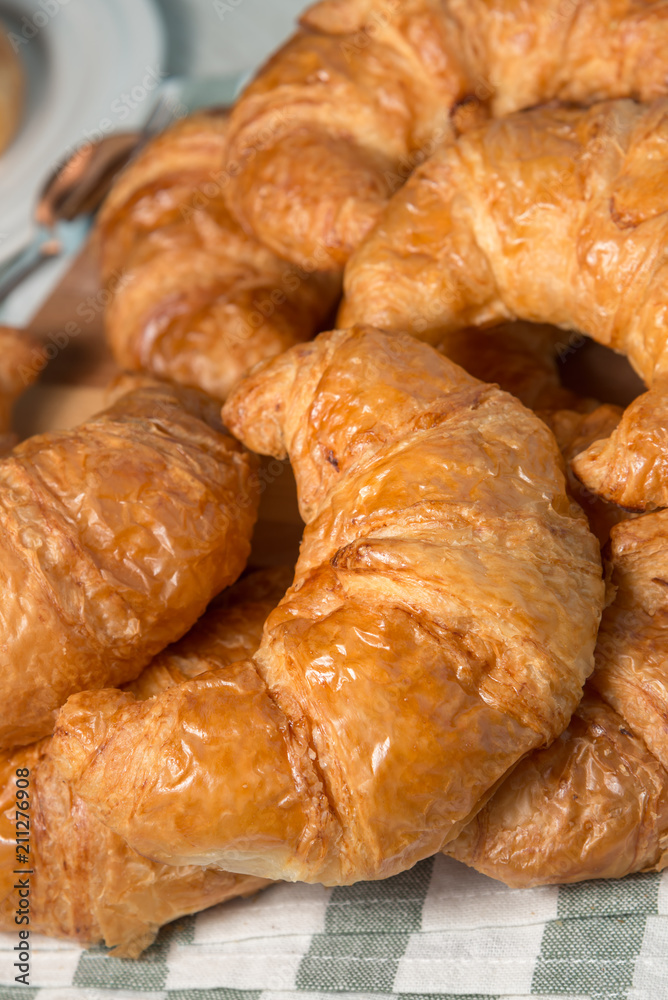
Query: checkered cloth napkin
pixel 439 931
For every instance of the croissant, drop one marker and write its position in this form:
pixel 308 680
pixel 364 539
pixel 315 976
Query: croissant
pixel 340 116
pixel 440 626
pixel 86 883
pixel 17 372
pixel 575 432
pixel 114 537
pixel 595 804
pixel 521 359
pixel 195 299
pixel 465 243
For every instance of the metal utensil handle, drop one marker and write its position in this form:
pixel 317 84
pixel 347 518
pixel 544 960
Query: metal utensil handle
pixel 27 261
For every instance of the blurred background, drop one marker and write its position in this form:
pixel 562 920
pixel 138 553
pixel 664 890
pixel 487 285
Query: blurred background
pixel 74 71
pixel 227 36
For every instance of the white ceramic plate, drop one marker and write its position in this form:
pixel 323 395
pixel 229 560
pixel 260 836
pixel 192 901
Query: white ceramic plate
pixel 91 65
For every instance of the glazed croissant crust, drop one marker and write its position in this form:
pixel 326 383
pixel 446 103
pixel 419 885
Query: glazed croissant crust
pixel 340 116
pixel 195 299
pixel 87 884
pixel 114 537
pixel 440 626
pixel 595 804
pixel 464 242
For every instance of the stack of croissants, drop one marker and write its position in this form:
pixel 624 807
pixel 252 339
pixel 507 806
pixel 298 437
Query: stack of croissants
pixel 471 654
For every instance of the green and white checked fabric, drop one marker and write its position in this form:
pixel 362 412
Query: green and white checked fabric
pixel 439 931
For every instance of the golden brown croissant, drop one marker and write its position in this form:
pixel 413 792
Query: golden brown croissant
pixel 196 299
pixel 575 432
pixel 86 883
pixel 441 624
pixel 630 468
pixel 339 117
pixel 595 804
pixel 592 805
pixel 553 215
pixel 12 86
pixel 322 136
pixel 114 538
pixel 521 359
